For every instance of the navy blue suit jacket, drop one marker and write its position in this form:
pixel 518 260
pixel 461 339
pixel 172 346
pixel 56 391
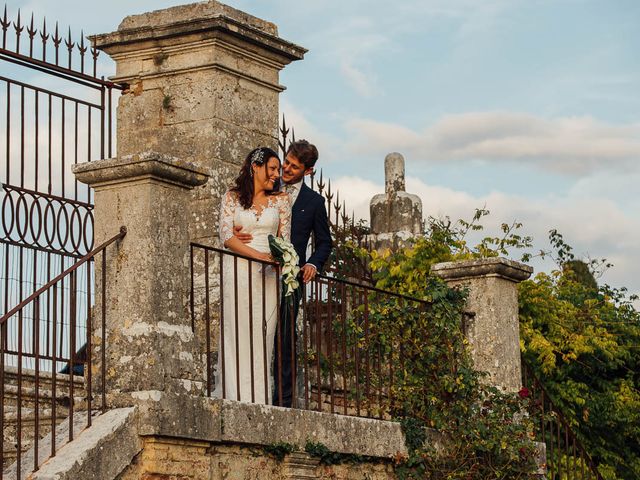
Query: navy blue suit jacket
pixel 310 215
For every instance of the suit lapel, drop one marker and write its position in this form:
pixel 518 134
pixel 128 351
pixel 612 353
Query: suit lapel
pixel 300 201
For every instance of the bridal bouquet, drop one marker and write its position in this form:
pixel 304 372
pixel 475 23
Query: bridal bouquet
pixel 284 253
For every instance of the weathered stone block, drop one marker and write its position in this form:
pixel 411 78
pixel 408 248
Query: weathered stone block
pixel 493 326
pixel 150 344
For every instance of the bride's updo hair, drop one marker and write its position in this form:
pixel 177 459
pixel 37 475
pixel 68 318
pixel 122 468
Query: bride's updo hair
pixel 244 181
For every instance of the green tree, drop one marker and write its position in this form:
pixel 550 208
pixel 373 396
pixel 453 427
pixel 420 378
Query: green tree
pixel 583 340
pixel 436 385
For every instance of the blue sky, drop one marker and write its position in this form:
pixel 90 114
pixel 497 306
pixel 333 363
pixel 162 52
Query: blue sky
pixel 530 108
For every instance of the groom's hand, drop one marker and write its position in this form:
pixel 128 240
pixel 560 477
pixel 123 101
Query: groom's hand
pixel 243 237
pixel 308 272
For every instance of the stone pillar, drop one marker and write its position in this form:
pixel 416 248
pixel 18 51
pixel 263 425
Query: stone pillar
pixel 150 345
pixel 493 327
pixel 396 215
pixel 203 87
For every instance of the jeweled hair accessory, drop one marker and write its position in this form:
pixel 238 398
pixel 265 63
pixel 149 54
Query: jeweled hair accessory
pixel 257 156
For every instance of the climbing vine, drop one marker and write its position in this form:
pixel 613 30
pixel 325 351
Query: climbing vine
pixel 482 433
pixel 582 338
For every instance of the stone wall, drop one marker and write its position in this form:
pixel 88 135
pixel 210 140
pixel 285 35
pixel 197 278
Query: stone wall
pixel 180 437
pixel 164 458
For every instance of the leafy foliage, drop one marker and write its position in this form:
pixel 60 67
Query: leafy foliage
pixel 490 440
pixel 327 457
pixel 279 450
pixel 434 384
pixel 583 341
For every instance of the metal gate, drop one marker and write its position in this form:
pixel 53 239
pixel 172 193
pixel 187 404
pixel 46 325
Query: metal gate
pixel 55 111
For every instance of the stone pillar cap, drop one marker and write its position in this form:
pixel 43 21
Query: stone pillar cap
pixel 189 12
pixel 484 267
pixel 153 165
pixel 200 17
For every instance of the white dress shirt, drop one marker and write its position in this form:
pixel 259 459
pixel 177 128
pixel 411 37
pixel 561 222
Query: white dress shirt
pixel 293 189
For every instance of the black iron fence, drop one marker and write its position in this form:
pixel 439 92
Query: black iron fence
pixel 567 459
pixel 55 111
pixel 55 337
pixel 341 362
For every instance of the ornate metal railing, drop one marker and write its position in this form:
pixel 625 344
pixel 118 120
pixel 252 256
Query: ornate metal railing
pixel 61 116
pixel 567 458
pixel 342 363
pixel 46 370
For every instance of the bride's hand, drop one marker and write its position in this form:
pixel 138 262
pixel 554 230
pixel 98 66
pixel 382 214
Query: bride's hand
pixel 265 257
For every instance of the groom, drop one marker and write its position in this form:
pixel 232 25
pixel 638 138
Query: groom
pixel 308 215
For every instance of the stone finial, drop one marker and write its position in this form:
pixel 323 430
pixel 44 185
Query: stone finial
pixel 394 173
pixel 396 215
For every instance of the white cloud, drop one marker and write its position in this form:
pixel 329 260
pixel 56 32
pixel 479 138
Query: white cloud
pixel 352 47
pixel 358 79
pixel 328 145
pixel 568 145
pixel 595 227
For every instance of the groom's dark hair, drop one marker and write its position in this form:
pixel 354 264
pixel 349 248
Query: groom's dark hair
pixel 305 152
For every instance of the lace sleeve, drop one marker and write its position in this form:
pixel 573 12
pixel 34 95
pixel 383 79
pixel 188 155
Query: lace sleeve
pixel 284 209
pixel 227 211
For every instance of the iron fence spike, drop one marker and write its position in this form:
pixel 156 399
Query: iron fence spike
pixel 321 182
pixel 43 34
pixel 5 26
pixel 31 29
pixel 68 42
pixel 81 45
pixel 18 26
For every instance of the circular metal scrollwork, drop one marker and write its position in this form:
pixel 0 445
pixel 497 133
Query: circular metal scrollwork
pixel 46 222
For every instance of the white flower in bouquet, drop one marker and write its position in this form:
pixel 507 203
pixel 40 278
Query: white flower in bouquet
pixel 285 254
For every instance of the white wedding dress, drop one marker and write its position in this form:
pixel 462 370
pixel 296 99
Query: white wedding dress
pixel 250 302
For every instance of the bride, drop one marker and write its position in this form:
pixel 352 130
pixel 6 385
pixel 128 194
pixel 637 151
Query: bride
pixel 250 288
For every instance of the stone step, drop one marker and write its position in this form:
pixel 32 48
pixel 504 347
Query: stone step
pixel 27 397
pixel 44 447
pixel 45 379
pixel 10 456
pixel 27 430
pixel 28 416
pixel 28 419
